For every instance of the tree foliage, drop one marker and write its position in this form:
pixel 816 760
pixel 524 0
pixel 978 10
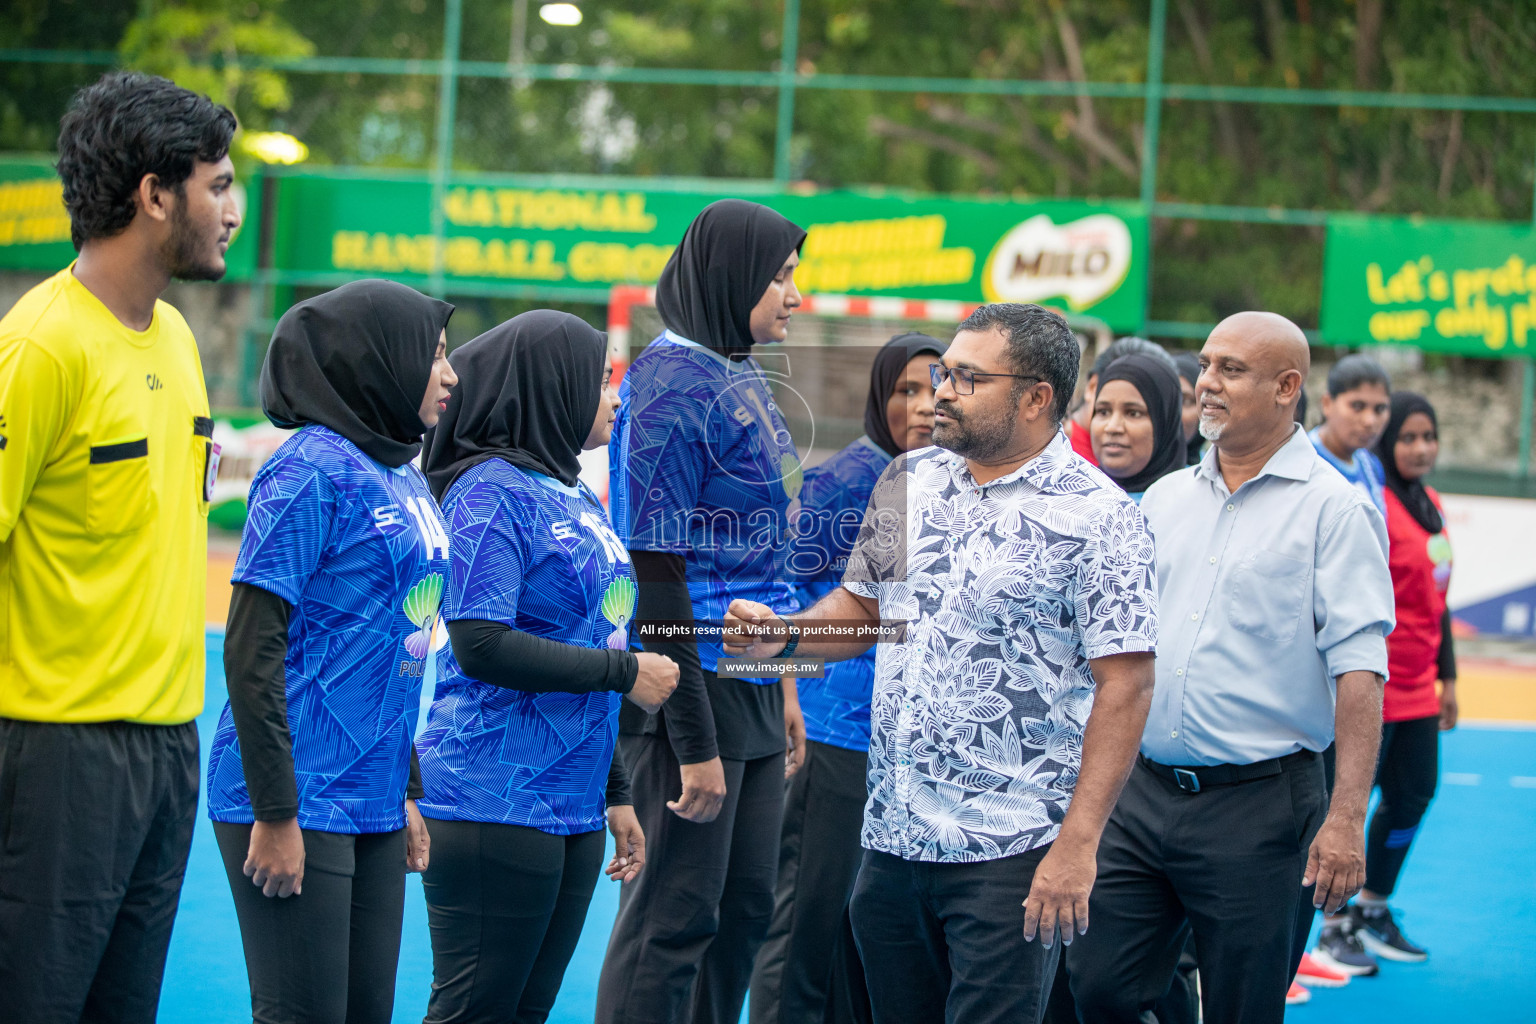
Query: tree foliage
pixel 1431 162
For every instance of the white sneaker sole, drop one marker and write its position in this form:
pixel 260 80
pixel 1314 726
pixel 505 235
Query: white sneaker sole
pixel 1313 981
pixel 1376 947
pixel 1323 957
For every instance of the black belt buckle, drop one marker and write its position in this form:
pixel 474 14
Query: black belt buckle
pixel 1186 780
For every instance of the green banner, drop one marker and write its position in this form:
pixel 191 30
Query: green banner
pixel 34 226
pixel 505 232
pixel 1445 286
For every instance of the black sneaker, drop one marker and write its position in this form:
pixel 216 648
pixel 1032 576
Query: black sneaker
pixel 1339 947
pixel 1380 934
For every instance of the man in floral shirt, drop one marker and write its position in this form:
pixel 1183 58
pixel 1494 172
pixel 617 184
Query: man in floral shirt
pixel 1006 715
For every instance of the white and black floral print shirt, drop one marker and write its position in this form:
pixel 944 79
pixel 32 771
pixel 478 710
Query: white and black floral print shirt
pixel 1007 591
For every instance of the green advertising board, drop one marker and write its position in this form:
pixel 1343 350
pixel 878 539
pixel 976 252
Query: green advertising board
pixel 507 232
pixel 1446 286
pixel 34 226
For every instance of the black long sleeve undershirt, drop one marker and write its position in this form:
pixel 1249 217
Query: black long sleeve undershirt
pixel 495 653
pixel 619 792
pixel 1447 657
pixel 663 598
pixel 255 646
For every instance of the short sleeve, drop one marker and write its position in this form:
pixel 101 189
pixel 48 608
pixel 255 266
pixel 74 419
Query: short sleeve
pixel 879 554
pixel 37 400
pixel 1117 586
pixel 490 554
pixel 666 460
pixel 293 509
pixel 1353 607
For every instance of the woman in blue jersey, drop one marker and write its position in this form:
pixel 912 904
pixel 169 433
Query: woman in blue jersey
pixel 703 475
pixel 311 777
pixel 1137 430
pixel 517 759
pixel 809 969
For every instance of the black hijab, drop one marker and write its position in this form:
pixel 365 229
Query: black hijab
pixel 728 257
pixel 528 391
pixel 883 375
pixel 1411 493
pixel 1159 387
pixel 1189 368
pixel 356 359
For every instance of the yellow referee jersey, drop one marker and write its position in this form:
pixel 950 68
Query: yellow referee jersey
pixel 104 442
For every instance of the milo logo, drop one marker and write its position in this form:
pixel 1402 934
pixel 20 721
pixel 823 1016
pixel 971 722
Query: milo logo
pixel 1082 262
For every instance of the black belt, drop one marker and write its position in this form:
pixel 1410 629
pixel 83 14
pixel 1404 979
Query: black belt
pixel 1194 778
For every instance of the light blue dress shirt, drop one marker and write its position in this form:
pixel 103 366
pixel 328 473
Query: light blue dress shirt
pixel 1266 597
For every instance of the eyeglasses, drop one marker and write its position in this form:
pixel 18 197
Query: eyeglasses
pixel 965 378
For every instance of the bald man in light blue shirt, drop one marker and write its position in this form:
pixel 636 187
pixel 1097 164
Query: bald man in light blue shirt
pixel 1275 601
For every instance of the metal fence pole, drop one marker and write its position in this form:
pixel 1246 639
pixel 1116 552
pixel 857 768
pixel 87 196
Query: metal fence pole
pixel 788 55
pixel 1152 122
pixel 447 114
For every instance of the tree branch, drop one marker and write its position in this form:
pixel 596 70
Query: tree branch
pixel 1085 124
pixel 1226 126
pixel 895 130
pixel 1449 157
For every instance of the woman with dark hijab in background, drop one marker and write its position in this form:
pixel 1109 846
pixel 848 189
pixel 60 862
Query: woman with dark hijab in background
pixel 809 968
pixel 1138 436
pixel 312 780
pixel 704 474
pixel 517 760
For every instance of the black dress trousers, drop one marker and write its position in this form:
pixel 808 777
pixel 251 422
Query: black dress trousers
pixel 1227 863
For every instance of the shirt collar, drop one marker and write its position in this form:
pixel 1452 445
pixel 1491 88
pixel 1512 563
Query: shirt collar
pixel 1294 460
pixel 1042 471
pixel 731 365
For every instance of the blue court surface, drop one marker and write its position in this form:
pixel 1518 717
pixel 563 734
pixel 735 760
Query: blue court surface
pixel 1467 894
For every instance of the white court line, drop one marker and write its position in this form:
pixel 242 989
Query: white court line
pixel 1523 781
pixel 1462 779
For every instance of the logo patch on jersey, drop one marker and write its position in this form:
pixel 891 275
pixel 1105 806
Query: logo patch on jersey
pixel 618 608
pixel 387 515
pixel 154 382
pixel 421 604
pixel 743 417
pixel 563 530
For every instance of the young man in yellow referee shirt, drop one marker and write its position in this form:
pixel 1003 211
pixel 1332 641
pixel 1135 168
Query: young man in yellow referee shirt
pixel 105 452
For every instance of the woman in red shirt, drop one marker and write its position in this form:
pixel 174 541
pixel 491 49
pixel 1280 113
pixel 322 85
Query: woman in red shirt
pixel 1419 653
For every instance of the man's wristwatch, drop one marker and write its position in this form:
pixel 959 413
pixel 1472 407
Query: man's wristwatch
pixel 794 639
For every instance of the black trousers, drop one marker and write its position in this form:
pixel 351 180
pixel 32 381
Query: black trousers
pixel 1226 863
pixel 95 826
pixel 689 927
pixel 328 955
pixel 805 960
pixel 506 905
pixel 1407 772
pixel 945 942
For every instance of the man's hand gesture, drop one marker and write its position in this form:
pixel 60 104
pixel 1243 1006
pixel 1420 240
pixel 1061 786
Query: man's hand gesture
pixel 753 630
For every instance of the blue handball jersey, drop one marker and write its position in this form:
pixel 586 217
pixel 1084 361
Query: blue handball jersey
pixel 540 557
pixel 703 466
pixel 360 552
pixel 836 493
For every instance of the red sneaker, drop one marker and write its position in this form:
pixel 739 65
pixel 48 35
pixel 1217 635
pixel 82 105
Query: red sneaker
pixel 1314 975
pixel 1297 995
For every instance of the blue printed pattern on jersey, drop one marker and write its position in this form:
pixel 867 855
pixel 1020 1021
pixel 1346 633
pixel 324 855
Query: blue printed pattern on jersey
pixel 360 552
pixel 704 466
pixel 1363 470
pixel 539 557
pixel 836 707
